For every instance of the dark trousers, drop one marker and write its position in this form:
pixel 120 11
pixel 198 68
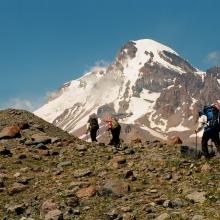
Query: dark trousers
pixel 115 136
pixel 213 134
pixel 93 133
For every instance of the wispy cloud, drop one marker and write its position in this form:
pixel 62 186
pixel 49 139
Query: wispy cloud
pixel 213 58
pixel 19 103
pixel 33 103
pixel 99 65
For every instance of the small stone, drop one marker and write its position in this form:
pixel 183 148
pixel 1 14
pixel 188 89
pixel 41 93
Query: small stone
pixel 16 209
pixel 81 148
pixel 128 216
pixel 114 188
pixel 197 217
pixel 167 204
pixel 17 174
pixel 129 151
pixel 86 192
pixel 17 188
pixel 36 157
pixel 163 216
pixel 168 176
pixel 55 140
pixel 64 164
pixel 41 146
pixel 76 212
pixel 48 206
pixel 81 173
pixel 197 197
pixel 54 215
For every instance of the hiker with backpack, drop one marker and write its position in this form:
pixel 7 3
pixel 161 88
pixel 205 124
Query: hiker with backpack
pixel 209 119
pixel 115 128
pixel 92 127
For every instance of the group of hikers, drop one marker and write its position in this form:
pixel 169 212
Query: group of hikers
pixel 209 120
pixel 113 126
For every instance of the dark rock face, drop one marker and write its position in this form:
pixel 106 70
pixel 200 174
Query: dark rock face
pixel 214 72
pixel 154 78
pixel 177 61
pixel 128 49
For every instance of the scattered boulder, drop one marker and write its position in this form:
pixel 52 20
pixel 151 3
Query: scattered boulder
pixel 163 216
pixel 48 206
pixel 174 140
pixel 196 197
pixel 114 188
pixel 10 132
pixel 17 188
pixel 64 164
pixel 16 209
pixel 86 192
pixel 40 139
pixel 117 161
pixel 54 215
pixel 197 217
pixel 81 173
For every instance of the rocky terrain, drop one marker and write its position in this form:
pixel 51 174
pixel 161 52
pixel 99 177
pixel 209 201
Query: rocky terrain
pixel 45 173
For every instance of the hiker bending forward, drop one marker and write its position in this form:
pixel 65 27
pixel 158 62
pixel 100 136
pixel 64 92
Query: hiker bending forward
pixel 115 130
pixel 209 120
pixel 92 127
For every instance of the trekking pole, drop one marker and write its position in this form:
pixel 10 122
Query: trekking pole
pixel 196 142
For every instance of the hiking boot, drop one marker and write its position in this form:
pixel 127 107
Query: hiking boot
pixel 208 156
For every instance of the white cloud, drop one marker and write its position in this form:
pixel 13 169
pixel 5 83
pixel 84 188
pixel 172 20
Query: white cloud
pixel 19 103
pixel 213 57
pixel 99 65
pixel 31 104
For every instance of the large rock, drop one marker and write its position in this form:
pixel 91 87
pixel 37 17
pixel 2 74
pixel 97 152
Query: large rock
pixel 114 188
pixel 86 192
pixel 10 132
pixel 40 138
pixel 48 206
pixel 81 172
pixel 174 140
pixel 17 188
pixel 197 197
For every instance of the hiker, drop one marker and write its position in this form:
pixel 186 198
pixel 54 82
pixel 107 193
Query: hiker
pixel 209 119
pixel 92 127
pixel 115 128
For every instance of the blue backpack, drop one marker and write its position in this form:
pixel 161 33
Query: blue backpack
pixel 213 115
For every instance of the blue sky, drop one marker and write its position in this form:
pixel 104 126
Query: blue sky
pixel 44 43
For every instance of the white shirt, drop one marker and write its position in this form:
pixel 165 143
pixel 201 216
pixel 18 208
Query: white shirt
pixel 202 121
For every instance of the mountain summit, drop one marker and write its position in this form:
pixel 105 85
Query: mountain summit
pixel 152 89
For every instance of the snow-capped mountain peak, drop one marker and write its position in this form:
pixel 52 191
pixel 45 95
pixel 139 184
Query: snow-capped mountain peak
pixel 145 85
